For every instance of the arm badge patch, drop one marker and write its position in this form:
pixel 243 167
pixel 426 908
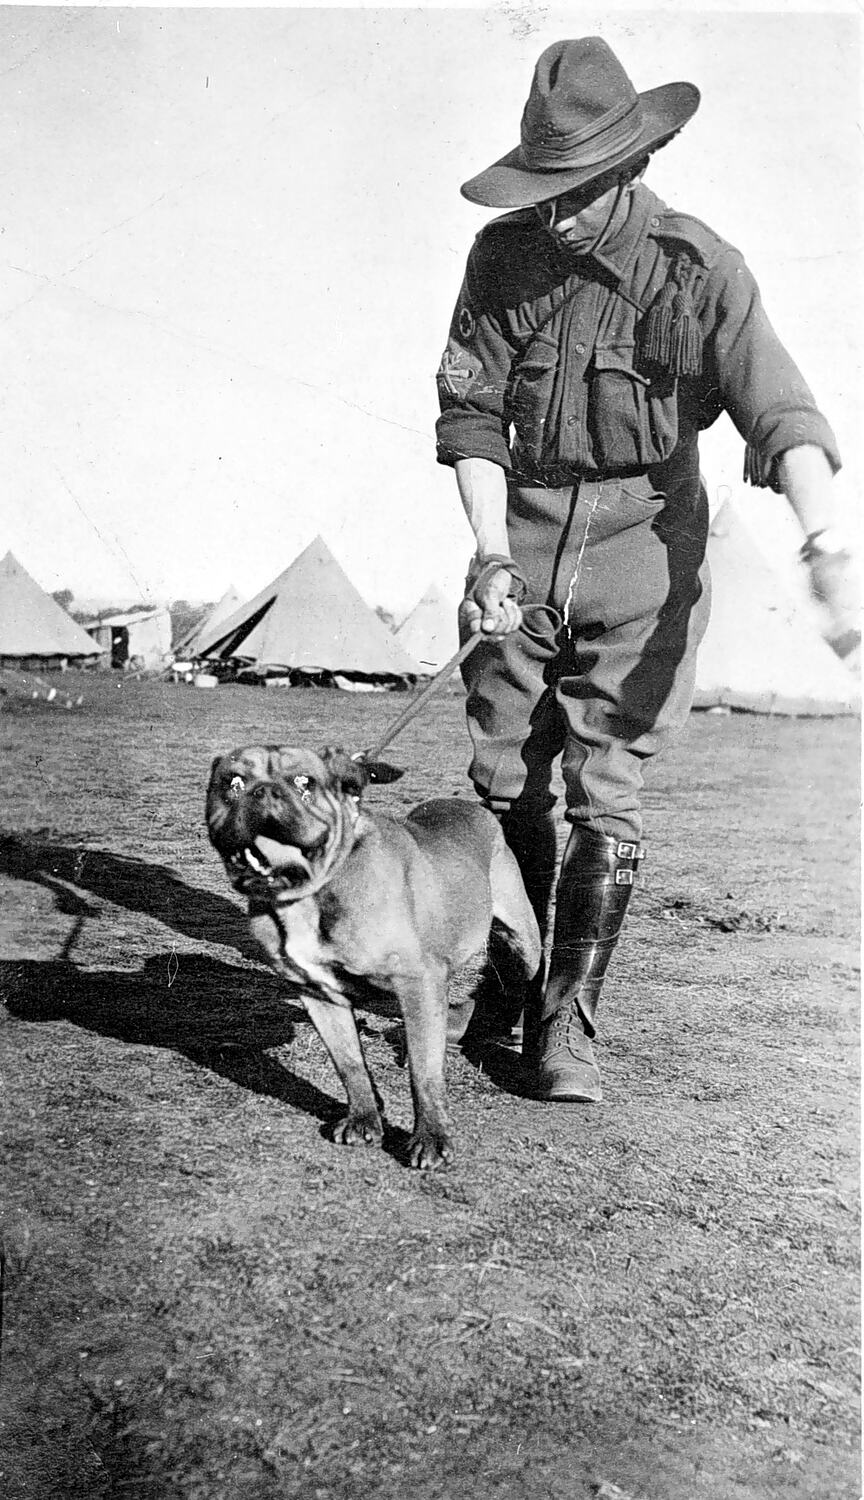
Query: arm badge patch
pixel 467 323
pixel 455 372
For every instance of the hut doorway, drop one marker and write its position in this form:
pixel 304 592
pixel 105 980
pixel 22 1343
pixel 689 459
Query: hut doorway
pixel 119 646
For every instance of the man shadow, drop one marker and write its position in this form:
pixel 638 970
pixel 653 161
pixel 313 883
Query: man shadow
pixel 219 1015
pixel 153 889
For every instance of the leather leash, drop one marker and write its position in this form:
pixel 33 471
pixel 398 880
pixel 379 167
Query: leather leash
pixel 444 676
pixel 422 698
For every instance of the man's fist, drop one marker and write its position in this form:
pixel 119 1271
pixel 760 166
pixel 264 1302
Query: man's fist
pixel 491 603
pixel 835 584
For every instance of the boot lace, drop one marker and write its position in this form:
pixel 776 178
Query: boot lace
pixel 566 1030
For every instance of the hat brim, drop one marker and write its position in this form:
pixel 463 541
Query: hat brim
pixel 509 183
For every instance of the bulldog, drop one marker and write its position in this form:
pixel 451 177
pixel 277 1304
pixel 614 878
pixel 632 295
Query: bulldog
pixel 344 901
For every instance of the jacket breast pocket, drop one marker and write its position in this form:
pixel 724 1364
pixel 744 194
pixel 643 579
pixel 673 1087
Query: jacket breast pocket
pixel 632 421
pixel 531 387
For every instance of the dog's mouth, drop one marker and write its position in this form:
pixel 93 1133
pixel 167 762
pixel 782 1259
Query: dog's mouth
pixel 283 865
pixel 267 856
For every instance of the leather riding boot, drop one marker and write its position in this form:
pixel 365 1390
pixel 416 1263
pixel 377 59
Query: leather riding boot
pixel 594 886
pixel 504 994
pixel 533 842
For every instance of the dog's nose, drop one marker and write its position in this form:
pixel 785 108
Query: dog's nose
pixel 265 790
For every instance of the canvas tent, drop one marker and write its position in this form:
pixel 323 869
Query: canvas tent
pixel 187 647
pixel 35 633
pixel 762 651
pixel 431 632
pixel 309 620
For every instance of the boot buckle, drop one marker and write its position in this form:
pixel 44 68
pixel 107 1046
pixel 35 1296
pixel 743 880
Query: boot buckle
pixel 629 851
pixel 624 877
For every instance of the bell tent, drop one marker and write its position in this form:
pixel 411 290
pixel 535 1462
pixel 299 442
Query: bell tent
pixel 312 621
pixel 431 631
pixel 35 633
pixel 761 651
pixel 188 645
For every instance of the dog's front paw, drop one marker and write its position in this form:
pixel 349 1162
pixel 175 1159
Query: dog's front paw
pixel 430 1147
pixel 359 1129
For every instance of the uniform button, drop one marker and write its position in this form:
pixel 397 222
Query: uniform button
pixel 580 348
pixel 655 222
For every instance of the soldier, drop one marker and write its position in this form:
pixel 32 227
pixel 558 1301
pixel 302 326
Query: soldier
pixel 596 332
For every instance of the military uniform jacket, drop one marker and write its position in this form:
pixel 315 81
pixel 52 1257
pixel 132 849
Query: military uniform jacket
pixel 548 370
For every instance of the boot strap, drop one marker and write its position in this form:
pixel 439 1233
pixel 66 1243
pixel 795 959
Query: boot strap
pixel 626 874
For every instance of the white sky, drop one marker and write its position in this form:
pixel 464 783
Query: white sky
pixel 231 240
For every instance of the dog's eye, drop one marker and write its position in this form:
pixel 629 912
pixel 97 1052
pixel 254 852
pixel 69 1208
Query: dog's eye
pixel 236 786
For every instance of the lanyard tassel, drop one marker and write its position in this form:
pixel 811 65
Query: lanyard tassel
pixel 671 337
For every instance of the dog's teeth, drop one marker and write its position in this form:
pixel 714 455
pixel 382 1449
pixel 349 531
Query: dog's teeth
pixel 254 863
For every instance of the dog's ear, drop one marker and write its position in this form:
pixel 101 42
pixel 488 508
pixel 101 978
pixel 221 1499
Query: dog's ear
pixel 349 775
pixel 214 767
pixel 214 782
pixel 216 810
pixel 353 773
pixel 382 772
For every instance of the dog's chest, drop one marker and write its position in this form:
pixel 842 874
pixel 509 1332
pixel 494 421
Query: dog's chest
pixel 303 944
pixel 325 949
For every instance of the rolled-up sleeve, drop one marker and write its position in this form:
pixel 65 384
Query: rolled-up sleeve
pixel 758 382
pixel 473 376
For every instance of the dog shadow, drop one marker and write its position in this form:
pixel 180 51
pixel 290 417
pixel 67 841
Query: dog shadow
pixel 198 1006
pixel 219 1015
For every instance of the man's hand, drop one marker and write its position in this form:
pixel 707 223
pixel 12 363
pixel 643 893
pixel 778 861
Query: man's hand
pixel 492 594
pixel 835 584
pixel 490 608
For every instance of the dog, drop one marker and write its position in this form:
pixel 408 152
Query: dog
pixel 343 900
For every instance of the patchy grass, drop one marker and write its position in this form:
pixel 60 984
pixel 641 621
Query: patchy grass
pixel 205 1298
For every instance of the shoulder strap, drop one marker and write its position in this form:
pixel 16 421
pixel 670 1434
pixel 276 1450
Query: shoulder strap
pixel 565 300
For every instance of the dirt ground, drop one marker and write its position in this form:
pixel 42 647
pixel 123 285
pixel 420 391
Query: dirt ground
pixel 654 1299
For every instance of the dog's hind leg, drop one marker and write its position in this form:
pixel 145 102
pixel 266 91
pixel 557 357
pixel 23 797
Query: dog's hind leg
pixel 423 998
pixel 511 907
pixel 334 1022
pixel 514 959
